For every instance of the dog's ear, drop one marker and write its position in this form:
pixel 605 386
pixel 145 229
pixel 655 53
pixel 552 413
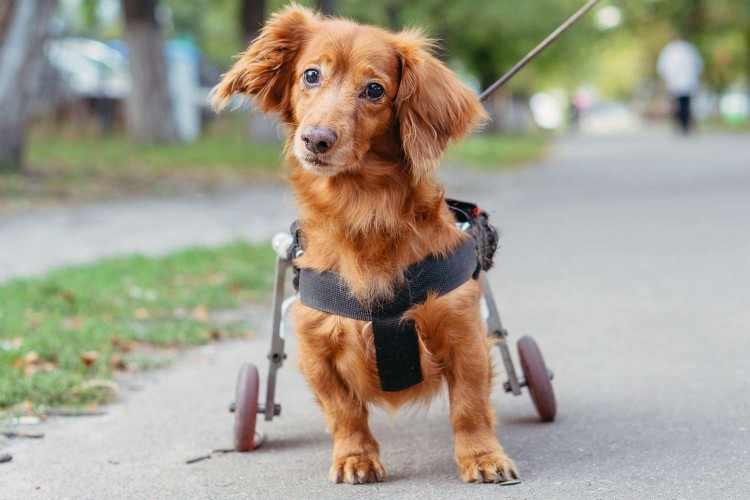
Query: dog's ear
pixel 266 69
pixel 432 105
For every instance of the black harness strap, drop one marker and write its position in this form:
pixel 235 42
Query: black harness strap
pixel 396 342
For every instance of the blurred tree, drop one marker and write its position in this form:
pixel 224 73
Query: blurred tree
pixel 149 108
pixel 732 17
pixel 23 29
pixel 719 28
pixel 252 15
pixel 328 7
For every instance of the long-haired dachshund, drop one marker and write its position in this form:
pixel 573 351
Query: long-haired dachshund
pixel 370 113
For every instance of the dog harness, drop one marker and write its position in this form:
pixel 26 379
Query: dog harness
pixel 396 340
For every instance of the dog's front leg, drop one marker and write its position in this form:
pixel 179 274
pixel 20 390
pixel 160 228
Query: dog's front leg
pixel 479 455
pixel 356 458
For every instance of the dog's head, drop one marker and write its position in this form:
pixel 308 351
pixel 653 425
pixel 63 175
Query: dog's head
pixel 354 95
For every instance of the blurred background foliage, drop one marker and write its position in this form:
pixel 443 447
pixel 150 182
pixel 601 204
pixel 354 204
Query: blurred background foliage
pixel 485 38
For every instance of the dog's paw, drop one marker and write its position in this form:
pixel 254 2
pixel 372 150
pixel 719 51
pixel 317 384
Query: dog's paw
pixel 489 468
pixel 357 469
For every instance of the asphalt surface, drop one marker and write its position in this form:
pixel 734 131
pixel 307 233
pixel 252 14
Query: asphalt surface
pixel 35 242
pixel 627 258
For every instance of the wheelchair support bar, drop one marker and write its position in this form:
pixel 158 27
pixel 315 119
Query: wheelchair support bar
pixel 495 327
pixel 277 355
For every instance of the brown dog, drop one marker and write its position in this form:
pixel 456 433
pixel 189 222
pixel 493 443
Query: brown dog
pixel 370 113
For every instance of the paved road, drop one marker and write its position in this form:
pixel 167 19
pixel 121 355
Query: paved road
pixel 36 242
pixel 628 258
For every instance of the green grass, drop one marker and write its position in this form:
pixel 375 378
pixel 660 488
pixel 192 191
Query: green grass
pixel 85 156
pixel 486 151
pixel 69 165
pixel 48 324
pixel 718 125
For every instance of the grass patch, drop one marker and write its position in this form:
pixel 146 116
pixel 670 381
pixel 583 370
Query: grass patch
pixel 719 125
pixel 490 151
pixel 65 165
pixel 60 332
pixel 115 156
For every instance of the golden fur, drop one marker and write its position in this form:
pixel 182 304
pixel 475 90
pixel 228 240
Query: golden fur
pixel 369 207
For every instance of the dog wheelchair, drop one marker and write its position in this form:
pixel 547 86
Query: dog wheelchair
pixel 247 405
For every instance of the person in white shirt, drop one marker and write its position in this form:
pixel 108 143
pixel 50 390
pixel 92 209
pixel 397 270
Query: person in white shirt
pixel 680 66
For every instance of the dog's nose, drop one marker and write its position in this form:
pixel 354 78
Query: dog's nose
pixel 318 139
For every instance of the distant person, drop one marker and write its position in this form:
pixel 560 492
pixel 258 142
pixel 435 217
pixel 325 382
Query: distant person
pixel 580 101
pixel 680 66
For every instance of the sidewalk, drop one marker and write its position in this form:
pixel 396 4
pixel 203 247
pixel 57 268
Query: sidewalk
pixel 36 242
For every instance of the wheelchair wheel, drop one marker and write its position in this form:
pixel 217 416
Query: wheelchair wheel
pixel 538 379
pixel 246 409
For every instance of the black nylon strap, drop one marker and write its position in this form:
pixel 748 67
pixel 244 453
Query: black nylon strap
pixel 396 342
pixel 396 353
pixel 326 292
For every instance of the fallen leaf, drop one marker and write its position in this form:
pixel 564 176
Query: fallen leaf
pixel 89 358
pixel 216 279
pixel 72 323
pixel 201 313
pixel 34 318
pixel 26 361
pixel 117 362
pixel 123 345
pixel 141 313
pixel 101 383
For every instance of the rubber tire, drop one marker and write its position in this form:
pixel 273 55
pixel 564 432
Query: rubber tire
pixel 246 408
pixel 537 379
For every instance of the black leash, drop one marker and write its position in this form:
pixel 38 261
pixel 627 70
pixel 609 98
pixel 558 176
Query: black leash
pixel 539 48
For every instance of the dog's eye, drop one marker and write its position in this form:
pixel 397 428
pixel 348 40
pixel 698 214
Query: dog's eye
pixel 374 91
pixel 311 77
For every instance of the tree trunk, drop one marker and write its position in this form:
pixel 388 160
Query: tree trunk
pixel 328 7
pixel 261 128
pixel 149 113
pixel 391 13
pixel 6 8
pixel 252 15
pixel 23 29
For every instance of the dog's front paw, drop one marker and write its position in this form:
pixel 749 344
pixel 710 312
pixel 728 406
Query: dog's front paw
pixel 357 469
pixel 489 468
